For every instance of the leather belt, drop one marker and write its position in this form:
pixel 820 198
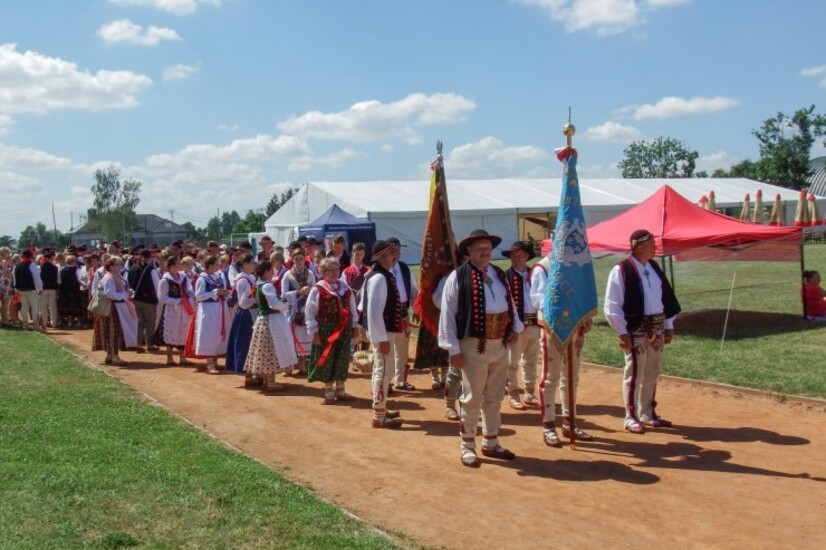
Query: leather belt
pixel 530 320
pixel 651 324
pixel 496 325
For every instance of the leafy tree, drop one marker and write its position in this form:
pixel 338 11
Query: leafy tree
pixel 785 145
pixel 41 236
pixel 6 240
pixel 253 222
pixel 659 158
pixel 212 230
pixel 277 201
pixel 113 210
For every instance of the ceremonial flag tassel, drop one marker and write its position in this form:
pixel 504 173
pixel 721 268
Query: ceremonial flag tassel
pixel 570 299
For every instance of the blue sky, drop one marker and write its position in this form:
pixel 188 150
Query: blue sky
pixel 215 104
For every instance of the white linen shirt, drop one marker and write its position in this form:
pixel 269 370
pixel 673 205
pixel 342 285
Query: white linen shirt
pixel 615 296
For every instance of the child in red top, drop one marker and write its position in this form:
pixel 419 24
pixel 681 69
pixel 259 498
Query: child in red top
pixel 814 296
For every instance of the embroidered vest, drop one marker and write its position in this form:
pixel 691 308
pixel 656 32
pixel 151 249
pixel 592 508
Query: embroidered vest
pixel 470 317
pixel 392 313
pixel 517 289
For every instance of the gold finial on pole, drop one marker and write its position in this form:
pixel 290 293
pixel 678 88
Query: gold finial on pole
pixel 569 129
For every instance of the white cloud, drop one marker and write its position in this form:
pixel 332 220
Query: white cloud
pixel 16 187
pixel 386 148
pixel 12 156
pixel 5 124
pixel 603 16
pixel 489 157
pixel 670 107
pixel 306 162
pixel 228 127
pixel 613 132
pixel 33 82
pixel 665 3
pixel 123 30
pixel 816 71
pixel 179 72
pixel 712 161
pixel 820 70
pixel 178 7
pixel 260 148
pixel 376 121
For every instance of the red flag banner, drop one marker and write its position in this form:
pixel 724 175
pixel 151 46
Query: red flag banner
pixel 438 250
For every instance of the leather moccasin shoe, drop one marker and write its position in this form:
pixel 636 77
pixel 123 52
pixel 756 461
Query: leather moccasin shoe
pixel 387 423
pixel 634 428
pixel 498 452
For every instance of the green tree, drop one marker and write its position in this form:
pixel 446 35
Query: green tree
pixel 785 146
pixel 194 232
pixel 659 158
pixel 6 240
pixel 113 208
pixel 277 201
pixel 41 236
pixel 253 222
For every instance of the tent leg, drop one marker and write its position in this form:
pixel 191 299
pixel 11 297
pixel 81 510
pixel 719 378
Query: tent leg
pixel 671 269
pixel 802 282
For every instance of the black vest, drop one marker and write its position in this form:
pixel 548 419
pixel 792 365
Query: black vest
pixel 470 315
pixel 517 289
pixel 405 269
pixel 392 313
pixel 48 274
pixel 23 279
pixel 634 303
pixel 140 280
pixel 68 279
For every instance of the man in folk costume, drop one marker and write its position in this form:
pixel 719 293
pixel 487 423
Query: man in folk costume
pixel 143 280
pixel 554 366
pixel 49 275
pixel 478 323
pixel 640 306
pixel 383 320
pixel 524 354
pixel 408 290
pixel 28 284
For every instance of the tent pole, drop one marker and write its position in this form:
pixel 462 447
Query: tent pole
pixel 671 268
pixel 802 268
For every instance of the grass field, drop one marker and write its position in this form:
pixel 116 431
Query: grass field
pixel 87 462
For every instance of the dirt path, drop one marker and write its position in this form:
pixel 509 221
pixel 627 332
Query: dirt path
pixel 742 470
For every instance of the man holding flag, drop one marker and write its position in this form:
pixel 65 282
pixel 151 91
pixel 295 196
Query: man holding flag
pixel 570 298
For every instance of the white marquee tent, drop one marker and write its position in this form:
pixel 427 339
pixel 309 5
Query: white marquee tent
pixel 399 208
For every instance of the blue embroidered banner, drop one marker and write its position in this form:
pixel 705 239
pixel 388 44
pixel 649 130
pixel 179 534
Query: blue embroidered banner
pixel 571 292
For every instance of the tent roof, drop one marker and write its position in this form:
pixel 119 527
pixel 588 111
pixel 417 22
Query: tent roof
pixel 336 216
pixel 510 195
pixel 679 226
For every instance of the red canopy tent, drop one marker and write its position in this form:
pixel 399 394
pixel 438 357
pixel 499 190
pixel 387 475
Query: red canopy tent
pixel 690 232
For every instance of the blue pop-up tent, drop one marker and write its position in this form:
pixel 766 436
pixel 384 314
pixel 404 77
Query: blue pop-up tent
pixel 336 221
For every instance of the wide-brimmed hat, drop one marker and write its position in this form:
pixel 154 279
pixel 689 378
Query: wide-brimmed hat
pixel 265 239
pixel 380 247
pixel 520 245
pixel 395 242
pixel 478 235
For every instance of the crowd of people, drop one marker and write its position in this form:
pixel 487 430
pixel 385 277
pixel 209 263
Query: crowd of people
pixel 306 309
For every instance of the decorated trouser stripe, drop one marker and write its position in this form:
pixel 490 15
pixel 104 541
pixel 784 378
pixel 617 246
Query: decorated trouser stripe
pixel 383 369
pixel 555 378
pixel 639 380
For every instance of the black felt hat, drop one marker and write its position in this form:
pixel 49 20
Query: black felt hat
pixel 478 235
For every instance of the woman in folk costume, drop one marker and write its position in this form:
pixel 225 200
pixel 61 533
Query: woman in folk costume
pixel 295 287
pixel 278 270
pixel 241 331
pixel 118 331
pixel 331 316
pixel 208 334
pixel 175 297
pixel 188 269
pixel 272 349
pixel 6 288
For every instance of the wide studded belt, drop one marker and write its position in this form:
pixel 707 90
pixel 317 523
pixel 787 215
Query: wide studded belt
pixel 530 320
pixel 496 325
